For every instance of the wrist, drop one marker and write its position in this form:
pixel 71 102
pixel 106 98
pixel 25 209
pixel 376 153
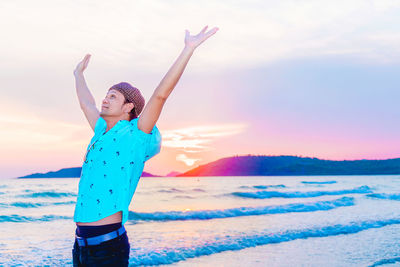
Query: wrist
pixel 189 49
pixel 78 73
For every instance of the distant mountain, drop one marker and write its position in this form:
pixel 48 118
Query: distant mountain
pixel 290 165
pixel 147 174
pixel 172 174
pixel 62 173
pixel 68 173
pixel 251 165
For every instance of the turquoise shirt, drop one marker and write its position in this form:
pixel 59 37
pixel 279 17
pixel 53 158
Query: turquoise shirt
pixel 112 168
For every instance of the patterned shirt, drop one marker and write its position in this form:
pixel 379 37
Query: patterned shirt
pixel 112 167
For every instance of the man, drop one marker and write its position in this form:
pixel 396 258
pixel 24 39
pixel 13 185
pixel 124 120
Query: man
pixel 123 141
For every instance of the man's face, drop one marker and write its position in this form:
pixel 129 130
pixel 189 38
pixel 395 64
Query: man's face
pixel 113 104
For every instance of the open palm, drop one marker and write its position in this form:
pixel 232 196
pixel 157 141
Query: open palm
pixel 195 40
pixel 82 65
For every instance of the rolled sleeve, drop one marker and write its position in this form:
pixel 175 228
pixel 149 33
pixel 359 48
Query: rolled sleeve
pixel 151 141
pixel 100 125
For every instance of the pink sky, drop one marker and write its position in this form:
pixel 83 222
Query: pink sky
pixel 308 79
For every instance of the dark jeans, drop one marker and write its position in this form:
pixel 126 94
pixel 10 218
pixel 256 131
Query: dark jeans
pixel 114 252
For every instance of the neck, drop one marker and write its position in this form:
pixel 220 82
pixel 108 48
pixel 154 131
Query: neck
pixel 111 121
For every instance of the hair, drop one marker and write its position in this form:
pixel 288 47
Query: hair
pixel 132 113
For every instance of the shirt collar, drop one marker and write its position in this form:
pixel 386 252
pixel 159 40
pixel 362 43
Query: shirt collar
pixel 117 126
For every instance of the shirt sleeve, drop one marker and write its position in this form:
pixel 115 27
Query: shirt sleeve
pixel 100 125
pixel 151 141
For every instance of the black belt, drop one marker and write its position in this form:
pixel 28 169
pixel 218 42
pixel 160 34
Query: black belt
pixel 90 241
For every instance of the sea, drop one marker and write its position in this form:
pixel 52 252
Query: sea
pixel 217 221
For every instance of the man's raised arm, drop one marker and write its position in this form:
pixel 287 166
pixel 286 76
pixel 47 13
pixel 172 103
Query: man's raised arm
pixel 86 100
pixel 152 110
pixel 84 95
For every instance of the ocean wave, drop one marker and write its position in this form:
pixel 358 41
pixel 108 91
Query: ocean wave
pixel 295 194
pixel 169 255
pixel 48 194
pixel 263 186
pixel 34 205
pixel 242 211
pixel 190 197
pixel 172 190
pixel 175 190
pixel 385 196
pixel 385 261
pixel 268 186
pixel 20 218
pixel 198 190
pixel 314 182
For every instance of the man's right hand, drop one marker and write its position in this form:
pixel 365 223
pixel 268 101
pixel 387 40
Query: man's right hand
pixel 82 65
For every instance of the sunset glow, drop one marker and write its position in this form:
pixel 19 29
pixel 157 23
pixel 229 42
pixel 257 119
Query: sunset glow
pixel 308 79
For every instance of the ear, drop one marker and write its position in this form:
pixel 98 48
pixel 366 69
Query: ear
pixel 130 106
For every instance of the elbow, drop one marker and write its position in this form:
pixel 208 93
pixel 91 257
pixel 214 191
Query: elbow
pixel 161 98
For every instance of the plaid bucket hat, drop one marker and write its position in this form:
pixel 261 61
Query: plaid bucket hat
pixel 132 95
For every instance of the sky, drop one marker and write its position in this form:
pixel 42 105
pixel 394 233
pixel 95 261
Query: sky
pixel 303 78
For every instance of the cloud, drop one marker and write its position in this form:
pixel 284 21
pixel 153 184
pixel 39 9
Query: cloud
pixel 198 139
pixel 186 160
pixel 144 34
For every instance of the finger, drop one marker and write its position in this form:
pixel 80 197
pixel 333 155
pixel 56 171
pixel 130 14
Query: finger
pixel 204 29
pixel 86 62
pixel 212 31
